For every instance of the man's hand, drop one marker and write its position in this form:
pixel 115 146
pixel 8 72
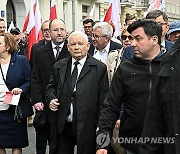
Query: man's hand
pixel 39 106
pixel 117 125
pixel 101 151
pixel 53 105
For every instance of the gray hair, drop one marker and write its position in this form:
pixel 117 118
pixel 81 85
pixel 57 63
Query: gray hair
pixel 78 33
pixel 106 28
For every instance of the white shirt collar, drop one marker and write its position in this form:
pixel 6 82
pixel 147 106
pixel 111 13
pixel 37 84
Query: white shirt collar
pixel 163 43
pixel 81 61
pixel 106 49
pixel 54 45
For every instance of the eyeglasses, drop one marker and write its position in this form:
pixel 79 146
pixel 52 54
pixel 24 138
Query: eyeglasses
pixel 59 29
pixel 97 37
pixel 162 23
pixel 124 37
pixel 87 27
pixel 45 30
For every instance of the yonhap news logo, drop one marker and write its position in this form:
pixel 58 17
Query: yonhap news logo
pixel 144 140
pixel 103 140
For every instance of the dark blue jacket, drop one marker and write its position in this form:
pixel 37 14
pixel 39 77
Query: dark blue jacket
pixel 19 73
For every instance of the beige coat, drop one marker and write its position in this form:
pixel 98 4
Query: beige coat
pixel 113 61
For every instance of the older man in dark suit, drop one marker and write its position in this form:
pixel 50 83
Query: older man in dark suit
pixel 75 94
pixel 44 60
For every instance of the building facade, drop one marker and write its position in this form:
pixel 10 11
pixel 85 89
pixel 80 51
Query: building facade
pixel 73 12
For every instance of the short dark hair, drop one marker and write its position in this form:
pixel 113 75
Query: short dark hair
pixel 129 17
pixel 151 28
pixel 87 21
pixel 157 13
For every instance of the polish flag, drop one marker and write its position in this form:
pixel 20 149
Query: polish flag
pixel 91 13
pixel 53 14
pixel 33 25
pixel 38 22
pixel 113 15
pixel 156 4
pixel 26 23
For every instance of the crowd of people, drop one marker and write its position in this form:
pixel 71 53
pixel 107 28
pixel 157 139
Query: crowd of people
pixel 89 89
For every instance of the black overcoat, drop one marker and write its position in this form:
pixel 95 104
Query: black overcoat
pixel 92 86
pixel 163 113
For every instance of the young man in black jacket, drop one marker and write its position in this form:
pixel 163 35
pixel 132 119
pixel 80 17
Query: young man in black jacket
pixel 162 120
pixel 132 84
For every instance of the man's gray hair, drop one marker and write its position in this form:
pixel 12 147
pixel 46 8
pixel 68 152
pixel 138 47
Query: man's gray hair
pixel 78 33
pixel 106 28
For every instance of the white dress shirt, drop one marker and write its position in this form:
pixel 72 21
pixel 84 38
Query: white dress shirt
pixel 79 67
pixel 102 55
pixel 54 48
pixel 3 87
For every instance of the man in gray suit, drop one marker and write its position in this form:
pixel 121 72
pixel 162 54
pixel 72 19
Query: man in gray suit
pixel 75 94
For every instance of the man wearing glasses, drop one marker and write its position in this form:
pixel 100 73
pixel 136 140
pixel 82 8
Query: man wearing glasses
pixel 47 38
pixel 102 43
pixel 88 26
pixel 161 18
pixel 44 60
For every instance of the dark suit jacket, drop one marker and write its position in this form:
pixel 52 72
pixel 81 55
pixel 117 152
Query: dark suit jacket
pixel 34 49
pixel 92 86
pixel 113 46
pixel 129 51
pixel 43 64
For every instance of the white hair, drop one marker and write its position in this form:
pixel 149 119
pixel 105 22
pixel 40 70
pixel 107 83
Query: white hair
pixel 106 28
pixel 78 33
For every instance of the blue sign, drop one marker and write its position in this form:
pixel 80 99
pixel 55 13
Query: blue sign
pixel 2 13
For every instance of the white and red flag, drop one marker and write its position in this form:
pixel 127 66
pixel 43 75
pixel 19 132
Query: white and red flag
pixel 33 25
pixel 91 13
pixel 156 4
pixel 53 14
pixel 113 15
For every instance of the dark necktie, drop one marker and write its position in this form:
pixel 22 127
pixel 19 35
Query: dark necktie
pixel 58 51
pixel 74 74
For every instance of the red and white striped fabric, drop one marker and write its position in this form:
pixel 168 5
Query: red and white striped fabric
pixel 53 14
pixel 33 25
pixel 113 15
pixel 91 13
pixel 154 4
